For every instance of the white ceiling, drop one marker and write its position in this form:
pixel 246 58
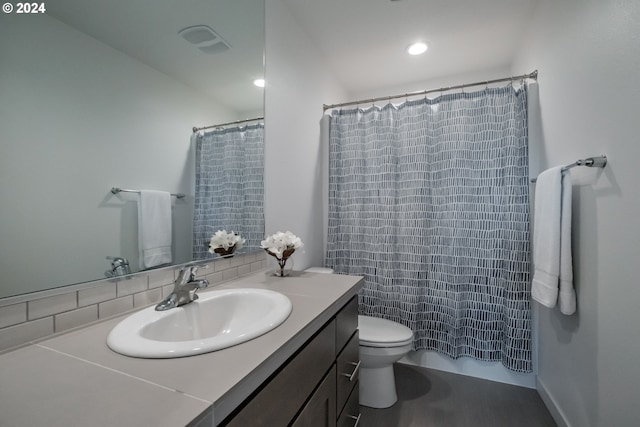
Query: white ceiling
pixel 364 41
pixel 148 31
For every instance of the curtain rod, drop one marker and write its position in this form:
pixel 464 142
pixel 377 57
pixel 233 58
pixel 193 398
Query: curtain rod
pixel 533 75
pixel 237 122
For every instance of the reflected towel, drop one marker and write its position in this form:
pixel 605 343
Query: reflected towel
pixel 154 228
pixel 552 241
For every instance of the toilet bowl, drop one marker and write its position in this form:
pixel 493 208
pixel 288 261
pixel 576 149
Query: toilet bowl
pixel 382 342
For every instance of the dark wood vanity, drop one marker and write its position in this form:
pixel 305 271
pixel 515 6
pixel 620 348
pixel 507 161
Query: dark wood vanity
pixel 317 386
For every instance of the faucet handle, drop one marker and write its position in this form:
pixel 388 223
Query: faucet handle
pixel 192 272
pixel 194 269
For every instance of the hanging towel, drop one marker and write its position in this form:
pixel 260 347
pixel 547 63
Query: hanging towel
pixel 154 228
pixel 552 241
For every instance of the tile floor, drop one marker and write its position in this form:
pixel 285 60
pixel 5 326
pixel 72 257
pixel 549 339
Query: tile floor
pixel 428 397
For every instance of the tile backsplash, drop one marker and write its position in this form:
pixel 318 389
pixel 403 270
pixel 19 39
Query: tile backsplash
pixel 41 314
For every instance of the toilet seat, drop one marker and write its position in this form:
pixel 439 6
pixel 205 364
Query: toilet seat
pixel 377 332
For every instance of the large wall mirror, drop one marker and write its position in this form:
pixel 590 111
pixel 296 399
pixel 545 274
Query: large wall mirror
pixel 95 95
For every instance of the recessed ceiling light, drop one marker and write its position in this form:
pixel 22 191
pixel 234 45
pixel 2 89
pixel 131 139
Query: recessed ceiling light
pixel 259 82
pixel 417 48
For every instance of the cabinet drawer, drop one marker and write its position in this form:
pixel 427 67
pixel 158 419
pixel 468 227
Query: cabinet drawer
pixel 320 411
pixel 346 323
pixel 281 398
pixel 350 416
pixel 348 365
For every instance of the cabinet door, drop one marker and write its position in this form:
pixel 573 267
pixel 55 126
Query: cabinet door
pixel 350 416
pixel 280 399
pixel 320 411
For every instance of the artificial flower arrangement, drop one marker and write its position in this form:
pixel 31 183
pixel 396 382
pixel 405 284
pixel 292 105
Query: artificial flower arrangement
pixel 224 243
pixel 281 246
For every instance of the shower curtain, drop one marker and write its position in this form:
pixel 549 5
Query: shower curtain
pixel 429 201
pixel 229 191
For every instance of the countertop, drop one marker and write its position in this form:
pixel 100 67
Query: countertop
pixel 74 379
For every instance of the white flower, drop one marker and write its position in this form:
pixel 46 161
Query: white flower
pixel 224 240
pixel 281 245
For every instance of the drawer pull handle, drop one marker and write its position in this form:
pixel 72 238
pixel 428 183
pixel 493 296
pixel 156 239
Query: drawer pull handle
pixel 355 418
pixel 352 375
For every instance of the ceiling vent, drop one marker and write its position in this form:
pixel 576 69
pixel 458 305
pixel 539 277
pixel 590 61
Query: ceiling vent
pixel 205 39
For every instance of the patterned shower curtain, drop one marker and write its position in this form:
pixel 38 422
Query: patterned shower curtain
pixel 429 201
pixel 229 186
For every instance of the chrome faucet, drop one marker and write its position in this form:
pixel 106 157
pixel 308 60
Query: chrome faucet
pixel 184 291
pixel 119 267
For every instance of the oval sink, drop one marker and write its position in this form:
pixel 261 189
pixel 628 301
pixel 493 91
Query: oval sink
pixel 217 320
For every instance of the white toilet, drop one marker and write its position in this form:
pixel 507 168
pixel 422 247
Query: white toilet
pixel 382 342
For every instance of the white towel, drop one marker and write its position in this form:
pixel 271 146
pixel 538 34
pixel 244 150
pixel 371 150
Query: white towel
pixel 552 241
pixel 154 228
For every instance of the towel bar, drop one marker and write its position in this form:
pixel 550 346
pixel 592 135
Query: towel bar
pixel 598 162
pixel 116 190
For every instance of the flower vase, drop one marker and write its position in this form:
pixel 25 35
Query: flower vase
pixel 283 267
pixel 225 252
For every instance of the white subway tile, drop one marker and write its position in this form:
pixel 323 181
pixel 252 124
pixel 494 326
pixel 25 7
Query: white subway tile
pixel 74 318
pixel 238 260
pixel 256 266
pixel 229 274
pixel 103 292
pixel 25 332
pixel 244 269
pixel 13 314
pixel 160 278
pixel 221 264
pixel 149 297
pixel 51 305
pixel 132 285
pixel 116 306
pixel 214 277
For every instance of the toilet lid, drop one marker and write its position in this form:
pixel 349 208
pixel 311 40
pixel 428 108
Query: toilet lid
pixel 319 270
pixel 376 332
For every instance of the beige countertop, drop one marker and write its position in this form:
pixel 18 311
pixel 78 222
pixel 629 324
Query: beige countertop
pixel 74 379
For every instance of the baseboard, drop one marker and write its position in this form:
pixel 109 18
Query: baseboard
pixel 492 371
pixel 556 412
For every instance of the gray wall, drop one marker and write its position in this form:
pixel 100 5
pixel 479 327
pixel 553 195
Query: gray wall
pixel 588 55
pixel 298 83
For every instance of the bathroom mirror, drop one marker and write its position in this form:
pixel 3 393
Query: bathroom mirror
pixel 95 95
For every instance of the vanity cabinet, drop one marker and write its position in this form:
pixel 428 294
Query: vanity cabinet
pixel 347 364
pixel 317 386
pixel 320 411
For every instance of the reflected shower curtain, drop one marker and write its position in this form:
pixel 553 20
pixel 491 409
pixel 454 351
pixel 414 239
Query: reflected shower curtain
pixel 229 186
pixel 429 201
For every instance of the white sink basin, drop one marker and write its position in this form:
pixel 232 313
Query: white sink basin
pixel 217 320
